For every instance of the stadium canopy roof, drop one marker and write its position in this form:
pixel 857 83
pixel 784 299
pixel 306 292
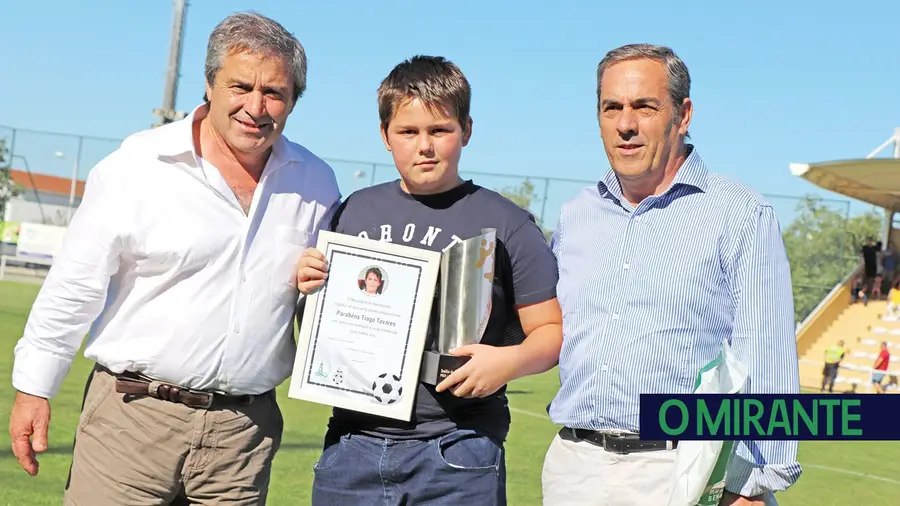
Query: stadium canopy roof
pixel 872 180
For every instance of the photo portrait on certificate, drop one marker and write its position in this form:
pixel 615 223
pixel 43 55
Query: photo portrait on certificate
pixel 373 281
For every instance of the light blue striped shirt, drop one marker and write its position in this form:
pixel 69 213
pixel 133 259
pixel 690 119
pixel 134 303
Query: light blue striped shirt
pixel 648 293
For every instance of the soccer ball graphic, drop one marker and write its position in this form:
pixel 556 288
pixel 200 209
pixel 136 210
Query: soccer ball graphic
pixel 338 377
pixel 387 389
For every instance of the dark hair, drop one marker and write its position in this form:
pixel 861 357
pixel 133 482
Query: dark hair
pixel 377 272
pixel 434 80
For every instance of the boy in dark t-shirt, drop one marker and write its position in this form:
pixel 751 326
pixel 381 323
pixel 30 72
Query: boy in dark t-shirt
pixel 451 452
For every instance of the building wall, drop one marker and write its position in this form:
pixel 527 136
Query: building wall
pixel 46 208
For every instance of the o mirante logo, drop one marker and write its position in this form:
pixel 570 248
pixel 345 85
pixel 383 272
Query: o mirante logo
pixel 715 417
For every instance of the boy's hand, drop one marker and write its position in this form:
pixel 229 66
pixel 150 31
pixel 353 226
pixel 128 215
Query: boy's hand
pixel 486 372
pixel 312 271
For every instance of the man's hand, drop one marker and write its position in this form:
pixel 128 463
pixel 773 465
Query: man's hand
pixel 28 426
pixel 729 499
pixel 312 271
pixel 486 372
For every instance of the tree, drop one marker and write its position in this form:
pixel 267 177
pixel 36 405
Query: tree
pixel 523 195
pixel 8 187
pixel 823 248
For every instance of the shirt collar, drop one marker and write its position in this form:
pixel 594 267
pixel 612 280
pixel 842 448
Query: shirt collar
pixel 177 139
pixel 693 172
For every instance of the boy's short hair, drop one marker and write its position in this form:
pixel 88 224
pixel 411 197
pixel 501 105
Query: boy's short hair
pixel 434 80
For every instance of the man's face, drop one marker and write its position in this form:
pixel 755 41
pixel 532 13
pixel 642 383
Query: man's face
pixel 426 146
pixel 250 101
pixel 637 118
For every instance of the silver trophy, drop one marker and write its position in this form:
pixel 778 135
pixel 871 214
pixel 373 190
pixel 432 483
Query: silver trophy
pixel 464 307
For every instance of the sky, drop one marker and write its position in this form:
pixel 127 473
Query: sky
pixel 772 82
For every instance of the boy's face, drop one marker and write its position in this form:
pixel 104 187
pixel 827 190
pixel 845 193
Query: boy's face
pixel 426 146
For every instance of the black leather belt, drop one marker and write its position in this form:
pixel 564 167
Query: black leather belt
pixel 618 443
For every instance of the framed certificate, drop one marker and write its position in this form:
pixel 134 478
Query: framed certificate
pixel 363 332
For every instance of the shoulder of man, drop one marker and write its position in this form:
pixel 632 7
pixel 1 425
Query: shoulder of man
pixel 313 169
pixel 141 146
pixel 580 201
pixel 734 192
pixel 309 160
pixel 124 160
pixel 151 140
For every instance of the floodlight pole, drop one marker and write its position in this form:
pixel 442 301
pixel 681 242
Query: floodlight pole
pixel 894 139
pixel 888 212
pixel 167 112
pixel 897 143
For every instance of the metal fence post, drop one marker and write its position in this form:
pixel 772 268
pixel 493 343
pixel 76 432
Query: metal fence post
pixel 544 202
pixel 12 149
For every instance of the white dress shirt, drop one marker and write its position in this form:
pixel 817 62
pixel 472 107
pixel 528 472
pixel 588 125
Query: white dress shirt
pixel 169 274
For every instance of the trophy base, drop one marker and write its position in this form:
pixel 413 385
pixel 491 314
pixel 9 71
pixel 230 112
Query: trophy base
pixel 437 366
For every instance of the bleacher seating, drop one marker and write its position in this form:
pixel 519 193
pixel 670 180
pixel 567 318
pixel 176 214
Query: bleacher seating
pixel 863 329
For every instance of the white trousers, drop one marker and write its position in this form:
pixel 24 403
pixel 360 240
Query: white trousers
pixel 578 473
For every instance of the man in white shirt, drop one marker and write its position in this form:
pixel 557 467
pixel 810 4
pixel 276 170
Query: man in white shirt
pixel 181 261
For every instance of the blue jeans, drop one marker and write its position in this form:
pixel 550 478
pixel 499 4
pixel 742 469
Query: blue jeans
pixel 461 468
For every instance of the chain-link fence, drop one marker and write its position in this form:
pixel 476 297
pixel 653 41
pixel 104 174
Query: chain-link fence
pixel 68 156
pixel 73 156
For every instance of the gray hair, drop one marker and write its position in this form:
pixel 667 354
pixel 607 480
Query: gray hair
pixel 678 77
pixel 257 34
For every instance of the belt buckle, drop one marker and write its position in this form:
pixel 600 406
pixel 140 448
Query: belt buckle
pixel 614 443
pixel 210 397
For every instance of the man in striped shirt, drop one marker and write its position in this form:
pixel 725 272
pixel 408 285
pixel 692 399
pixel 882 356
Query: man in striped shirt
pixel 659 262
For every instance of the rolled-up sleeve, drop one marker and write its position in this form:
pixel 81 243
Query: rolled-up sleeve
pixel 74 292
pixel 764 339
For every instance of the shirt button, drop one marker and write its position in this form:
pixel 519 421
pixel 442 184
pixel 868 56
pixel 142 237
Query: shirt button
pixel 626 266
pixel 638 218
pixel 601 420
pixel 243 278
pixel 237 329
pixel 615 316
pixel 603 368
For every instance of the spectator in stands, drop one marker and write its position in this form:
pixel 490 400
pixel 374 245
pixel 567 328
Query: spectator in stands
pixel 859 291
pixel 186 258
pixel 833 357
pixel 893 305
pixel 880 368
pixel 659 262
pixel 869 253
pixel 889 264
pixel 876 287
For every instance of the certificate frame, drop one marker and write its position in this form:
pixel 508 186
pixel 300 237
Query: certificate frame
pixel 322 334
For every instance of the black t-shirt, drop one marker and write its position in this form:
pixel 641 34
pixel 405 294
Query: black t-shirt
pixel 525 273
pixel 870 255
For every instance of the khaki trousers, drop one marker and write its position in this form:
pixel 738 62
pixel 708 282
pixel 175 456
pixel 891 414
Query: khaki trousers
pixel 145 451
pixel 578 473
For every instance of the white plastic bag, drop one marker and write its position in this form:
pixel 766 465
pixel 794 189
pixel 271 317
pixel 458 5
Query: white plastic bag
pixel 700 466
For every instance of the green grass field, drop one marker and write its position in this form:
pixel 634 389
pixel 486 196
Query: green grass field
pixel 837 473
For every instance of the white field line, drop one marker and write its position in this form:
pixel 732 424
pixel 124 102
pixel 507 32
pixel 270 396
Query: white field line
pixel 810 466
pixel 852 473
pixel 529 413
